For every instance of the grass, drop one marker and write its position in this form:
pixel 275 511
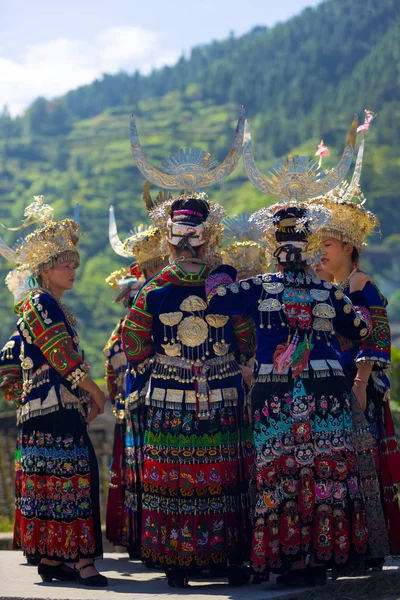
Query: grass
pixel 6 525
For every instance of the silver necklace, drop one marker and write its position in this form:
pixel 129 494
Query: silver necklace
pixel 345 283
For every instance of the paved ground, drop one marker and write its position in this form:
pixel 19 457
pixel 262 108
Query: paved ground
pixel 127 580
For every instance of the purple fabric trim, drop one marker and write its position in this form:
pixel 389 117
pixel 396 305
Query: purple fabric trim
pixel 214 282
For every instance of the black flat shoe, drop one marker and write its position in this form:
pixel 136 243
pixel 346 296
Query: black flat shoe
pixel 93 581
pixel 258 579
pixel 375 564
pixel 60 572
pixel 238 575
pixel 295 577
pixel 317 576
pixel 177 578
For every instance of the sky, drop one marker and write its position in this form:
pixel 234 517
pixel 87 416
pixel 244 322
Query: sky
pixel 48 47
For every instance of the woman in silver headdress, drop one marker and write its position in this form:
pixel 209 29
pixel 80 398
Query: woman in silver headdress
pixel 343 238
pixel 193 485
pixel 60 515
pixel 309 504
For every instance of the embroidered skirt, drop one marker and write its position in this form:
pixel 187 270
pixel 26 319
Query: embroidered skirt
pixel 60 516
pixel 17 490
pixel 308 500
pixel 133 476
pixel 116 492
pixel 381 426
pixel 195 506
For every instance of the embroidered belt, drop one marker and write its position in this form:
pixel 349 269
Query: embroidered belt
pixel 197 373
pixel 187 371
pixel 320 368
pixel 173 398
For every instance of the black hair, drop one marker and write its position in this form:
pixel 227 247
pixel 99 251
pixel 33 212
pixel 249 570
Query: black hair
pixel 288 232
pixel 189 211
pixel 287 254
pixel 355 257
pixel 195 205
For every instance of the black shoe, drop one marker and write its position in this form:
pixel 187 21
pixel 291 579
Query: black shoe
pixel 295 577
pixel 258 579
pixel 33 560
pixel 93 581
pixel 375 564
pixel 61 572
pixel 238 575
pixel 317 576
pixel 177 578
pixel 133 554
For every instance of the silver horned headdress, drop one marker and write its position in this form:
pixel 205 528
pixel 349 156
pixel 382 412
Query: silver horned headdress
pixel 191 168
pixel 144 245
pixel 298 177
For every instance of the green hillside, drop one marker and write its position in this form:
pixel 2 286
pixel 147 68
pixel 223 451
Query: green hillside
pixel 301 81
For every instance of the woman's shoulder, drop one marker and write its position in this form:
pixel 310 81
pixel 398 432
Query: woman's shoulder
pixel 42 304
pixel 156 284
pixel 360 280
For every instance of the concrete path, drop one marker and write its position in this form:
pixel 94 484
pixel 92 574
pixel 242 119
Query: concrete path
pixel 128 580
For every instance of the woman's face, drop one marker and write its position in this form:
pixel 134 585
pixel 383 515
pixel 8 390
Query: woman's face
pixel 334 254
pixel 61 276
pixel 322 274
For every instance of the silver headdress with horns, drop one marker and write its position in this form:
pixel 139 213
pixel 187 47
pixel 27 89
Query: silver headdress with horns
pixel 115 242
pixel 239 229
pixel 144 245
pixel 296 180
pixel 191 168
pixel 246 249
pixel 298 177
pixel 349 221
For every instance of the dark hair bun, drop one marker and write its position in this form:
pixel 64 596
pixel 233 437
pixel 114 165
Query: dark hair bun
pixel 286 224
pixel 190 211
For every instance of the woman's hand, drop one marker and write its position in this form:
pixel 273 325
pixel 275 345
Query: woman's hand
pixel 247 374
pixel 93 412
pixel 99 398
pixel 360 392
pixel 96 406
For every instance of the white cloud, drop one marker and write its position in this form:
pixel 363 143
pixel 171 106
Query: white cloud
pixel 52 68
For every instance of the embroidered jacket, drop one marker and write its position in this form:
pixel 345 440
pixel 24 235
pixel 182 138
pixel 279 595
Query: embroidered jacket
pixel 52 363
pixel 295 314
pixel 116 365
pixel 375 349
pixel 190 349
pixel 10 370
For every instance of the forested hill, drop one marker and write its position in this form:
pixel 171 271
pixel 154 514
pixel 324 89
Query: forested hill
pixel 300 81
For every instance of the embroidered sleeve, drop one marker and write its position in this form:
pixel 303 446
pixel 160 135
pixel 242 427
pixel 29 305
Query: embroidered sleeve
pixel 352 322
pixel 115 368
pixel 377 347
pixel 10 371
pixel 226 296
pixel 245 333
pixel 111 351
pixel 136 335
pixel 42 323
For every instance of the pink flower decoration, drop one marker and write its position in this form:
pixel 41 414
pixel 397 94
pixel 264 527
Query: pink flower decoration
pixel 369 117
pixel 322 150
